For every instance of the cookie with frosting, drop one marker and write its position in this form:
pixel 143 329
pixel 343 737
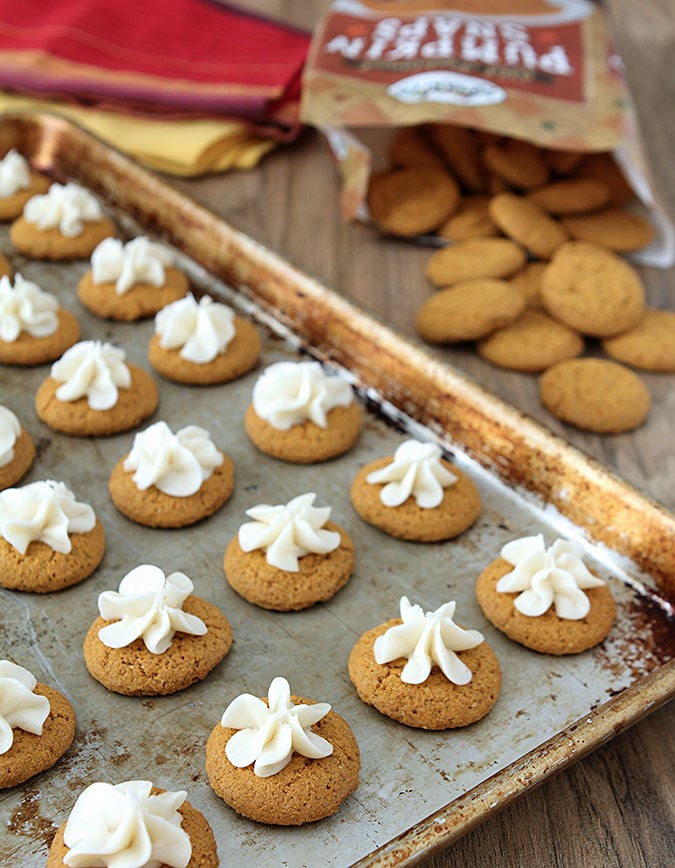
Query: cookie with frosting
pixel 132 281
pixel 171 480
pixel 202 342
pixel 290 556
pixel 416 494
pixel 546 598
pixel 282 759
pixel 66 222
pixel 93 391
pixel 300 414
pixel 17 449
pixel 424 670
pixel 133 823
pixel 18 184
pixel 37 725
pixel 34 328
pixel 154 636
pixel 48 539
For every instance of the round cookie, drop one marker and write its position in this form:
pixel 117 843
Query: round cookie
pixel 528 281
pixel 135 671
pixel 240 356
pixel 471 220
pixel 24 453
pixel 410 147
pixel 649 345
pixel 595 395
pixel 547 633
pixel 518 163
pixel 31 754
pixel 591 290
pixel 474 258
pixel 12 206
pixel 141 301
pixel 307 443
pixel 532 343
pixel 52 244
pixel 527 223
pixel 412 200
pixel 154 508
pixel 460 150
pixel 458 510
pixel 133 405
pixel 571 196
pixel 436 703
pixel 562 162
pixel 43 570
pixel 603 167
pixel 469 310
pixel 318 578
pixel 614 228
pixel 304 791
pixel 28 351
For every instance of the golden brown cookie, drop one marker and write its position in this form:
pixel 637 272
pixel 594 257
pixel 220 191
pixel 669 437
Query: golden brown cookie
pixel 603 167
pixel 649 345
pixel 410 147
pixel 133 405
pixel 461 152
pixel 304 791
pixel 528 281
pixel 547 633
pixel 458 510
pixel 24 453
pixel 436 703
pixel 571 196
pixel 30 753
pixel 52 244
pixel 468 310
pixel 307 443
pixel 143 300
pixel 562 162
pixel 154 508
pixel 135 671
pixel 27 350
pixel 43 570
pixel 6 269
pixel 473 258
pixel 413 200
pixel 595 395
pixel 520 164
pixel 240 355
pixel 532 343
pixel 614 228
pixel 319 577
pixel 471 220
pixel 591 290
pixel 12 206
pixel 527 223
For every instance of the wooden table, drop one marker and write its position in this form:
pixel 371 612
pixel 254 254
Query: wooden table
pixel 615 807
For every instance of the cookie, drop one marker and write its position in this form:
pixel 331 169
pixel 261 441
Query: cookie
pixel 469 310
pixel 471 220
pixel 52 244
pixel 614 228
pixel 474 258
pixel 520 164
pixel 528 281
pixel 591 290
pixel 531 344
pixel 461 152
pixel 141 301
pixel 562 162
pixel 527 223
pixel 410 147
pixel 5 266
pixel 595 395
pixel 17 449
pixel 304 789
pixel 649 345
pixel 29 351
pixel 19 184
pixel 603 167
pixel 412 201
pixel 571 196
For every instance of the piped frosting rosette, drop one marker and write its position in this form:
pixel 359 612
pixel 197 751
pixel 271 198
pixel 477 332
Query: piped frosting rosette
pixel 94 370
pixel 10 428
pixel 26 309
pixel 66 207
pixel 20 707
pixel 125 265
pixel 14 174
pixel 199 330
pixel 415 471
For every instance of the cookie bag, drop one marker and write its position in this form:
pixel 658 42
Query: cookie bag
pixel 507 73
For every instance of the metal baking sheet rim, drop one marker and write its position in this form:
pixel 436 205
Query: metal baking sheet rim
pixel 416 386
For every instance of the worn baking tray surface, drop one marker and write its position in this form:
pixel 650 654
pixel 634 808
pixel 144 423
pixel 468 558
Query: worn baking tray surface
pixel 418 790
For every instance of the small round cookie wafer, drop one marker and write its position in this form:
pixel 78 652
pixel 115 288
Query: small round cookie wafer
pixel 461 152
pixel 474 258
pixel 650 345
pixel 519 163
pixel 562 162
pixel 603 167
pixel 471 220
pixel 22 455
pixel 413 200
pixel 531 344
pixel 592 290
pixel 53 244
pixel 410 147
pixel 11 206
pixel 614 228
pixel 571 196
pixel 143 300
pixel 28 351
pixel 595 395
pixel 528 281
pixel 469 310
pixel 527 223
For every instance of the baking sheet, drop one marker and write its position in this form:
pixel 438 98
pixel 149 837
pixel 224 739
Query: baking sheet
pixel 418 790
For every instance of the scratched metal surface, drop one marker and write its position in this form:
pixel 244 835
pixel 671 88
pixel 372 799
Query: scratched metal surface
pixel 407 775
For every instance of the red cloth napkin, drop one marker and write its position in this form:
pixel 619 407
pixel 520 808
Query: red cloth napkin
pixel 174 57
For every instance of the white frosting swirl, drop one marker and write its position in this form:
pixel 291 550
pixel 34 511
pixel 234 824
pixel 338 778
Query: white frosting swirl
pixel 425 639
pixel 20 708
pixel 125 826
pixel 14 174
pixel 177 464
pixel 10 428
pixel 290 393
pixel 269 734
pixel 66 207
pixel 415 471
pixel 148 606
pixel 138 261
pixel 93 370
pixel 44 511
pixel 288 532
pixel 201 331
pixel 25 307
pixel 548 576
